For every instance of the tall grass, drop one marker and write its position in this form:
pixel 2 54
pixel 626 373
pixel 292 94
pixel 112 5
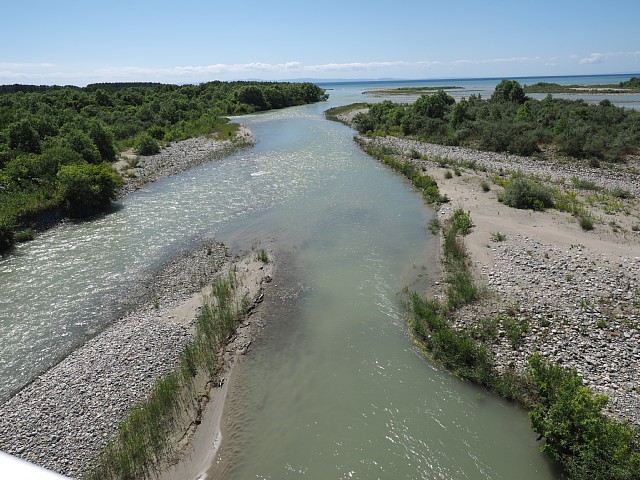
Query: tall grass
pixel 143 437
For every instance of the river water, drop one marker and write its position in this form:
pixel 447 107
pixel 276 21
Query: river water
pixel 334 387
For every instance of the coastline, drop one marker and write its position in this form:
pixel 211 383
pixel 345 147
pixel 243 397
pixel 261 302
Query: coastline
pixel 64 417
pixel 577 291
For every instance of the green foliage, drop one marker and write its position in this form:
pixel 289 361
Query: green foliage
pixel 583 184
pixel 585 219
pixel 262 256
pixel 486 186
pixel 103 140
pixel 156 132
pixel 524 193
pixel 23 137
pixel 515 329
pixel 144 435
pixel 7 227
pixel 87 189
pixel 434 225
pixel 498 237
pixel 147 145
pixel 461 221
pixel 576 431
pixel 510 122
pixel 423 182
pixel 509 91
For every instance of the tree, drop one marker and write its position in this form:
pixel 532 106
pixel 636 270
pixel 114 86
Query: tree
pixel 80 142
pixel 252 95
pixel 433 105
pixel 509 91
pixel 87 189
pixel 147 145
pixel 102 139
pixel 22 136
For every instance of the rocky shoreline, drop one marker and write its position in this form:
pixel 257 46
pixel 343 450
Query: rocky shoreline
pixel 575 294
pixel 137 171
pixel 64 418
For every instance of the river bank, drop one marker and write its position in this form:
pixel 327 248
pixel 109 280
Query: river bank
pixel 577 292
pixel 137 170
pixel 64 418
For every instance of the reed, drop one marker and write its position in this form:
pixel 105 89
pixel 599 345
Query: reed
pixel 144 436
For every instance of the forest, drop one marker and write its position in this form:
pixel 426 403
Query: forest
pixel 511 122
pixel 57 143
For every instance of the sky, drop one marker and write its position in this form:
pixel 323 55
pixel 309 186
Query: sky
pixel 71 42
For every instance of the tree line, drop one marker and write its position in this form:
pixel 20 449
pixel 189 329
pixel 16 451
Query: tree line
pixel 511 122
pixel 57 143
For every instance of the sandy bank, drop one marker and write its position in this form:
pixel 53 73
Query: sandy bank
pixel 66 416
pixel 578 291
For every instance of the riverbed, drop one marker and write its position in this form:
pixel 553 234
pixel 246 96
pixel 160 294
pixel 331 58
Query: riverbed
pixel 333 387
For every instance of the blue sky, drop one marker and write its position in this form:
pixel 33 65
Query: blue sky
pixel 80 42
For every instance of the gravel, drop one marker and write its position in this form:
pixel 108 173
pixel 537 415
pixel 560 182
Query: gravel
pixel 180 156
pixel 64 418
pixel 581 307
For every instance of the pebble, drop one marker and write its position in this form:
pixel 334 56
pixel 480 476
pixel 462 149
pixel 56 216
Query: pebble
pixel 582 307
pixel 65 417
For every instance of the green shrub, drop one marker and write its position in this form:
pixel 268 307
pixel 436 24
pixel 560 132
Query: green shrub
pixel 448 174
pixel 586 221
pixel 525 193
pixel 262 256
pixel 576 431
pixel 485 186
pixel 87 189
pixel 515 329
pixel 582 184
pixel 621 193
pixel 461 221
pixel 498 237
pixel 434 225
pixel 157 132
pixel 7 227
pixel 147 145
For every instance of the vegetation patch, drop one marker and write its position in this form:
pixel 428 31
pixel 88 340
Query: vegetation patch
pixel 50 134
pixel 569 418
pixel 525 193
pixel 419 179
pixel 510 122
pixel 143 437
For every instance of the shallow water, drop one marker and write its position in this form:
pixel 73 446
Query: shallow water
pixel 334 387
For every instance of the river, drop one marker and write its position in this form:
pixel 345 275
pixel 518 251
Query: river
pixel 334 387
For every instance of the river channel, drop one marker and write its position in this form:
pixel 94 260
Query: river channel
pixel 333 386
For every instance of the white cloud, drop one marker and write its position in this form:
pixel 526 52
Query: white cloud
pixel 593 58
pixel 43 72
pixel 26 65
pixel 597 57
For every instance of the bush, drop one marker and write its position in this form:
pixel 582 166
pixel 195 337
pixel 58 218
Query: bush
pixel 87 189
pixel 147 145
pixel 461 221
pixel 7 226
pixel 524 193
pixel 576 431
pixel 157 132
